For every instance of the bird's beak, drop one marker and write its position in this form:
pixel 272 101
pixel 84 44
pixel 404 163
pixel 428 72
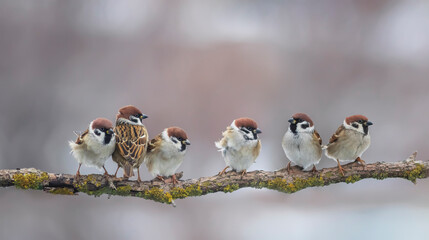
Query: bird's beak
pixel 187 142
pixel 108 132
pixel 143 116
pixel 368 123
pixel 292 121
pixel 257 131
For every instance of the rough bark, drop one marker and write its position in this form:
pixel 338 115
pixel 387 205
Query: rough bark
pixel 281 180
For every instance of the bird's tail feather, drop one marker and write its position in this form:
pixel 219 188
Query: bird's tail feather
pixel 128 170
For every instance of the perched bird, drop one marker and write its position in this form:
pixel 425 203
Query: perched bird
pixel 240 145
pixel 165 153
pixel 350 141
pixel 302 143
pixel 95 145
pixel 131 140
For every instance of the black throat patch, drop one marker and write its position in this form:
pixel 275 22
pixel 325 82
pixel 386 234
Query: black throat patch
pixel 365 129
pixel 183 148
pixel 107 138
pixel 255 136
pixel 293 128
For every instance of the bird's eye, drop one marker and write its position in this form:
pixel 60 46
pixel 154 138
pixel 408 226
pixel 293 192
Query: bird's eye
pixel 355 125
pixel 103 129
pixel 299 120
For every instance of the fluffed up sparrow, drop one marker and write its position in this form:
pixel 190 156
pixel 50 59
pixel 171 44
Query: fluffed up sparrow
pixel 94 145
pixel 240 145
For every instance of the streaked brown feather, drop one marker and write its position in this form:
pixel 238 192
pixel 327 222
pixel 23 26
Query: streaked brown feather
pixel 153 148
pixel 154 143
pixel 79 139
pixel 131 142
pixel 337 134
pixel 317 136
pixel 224 141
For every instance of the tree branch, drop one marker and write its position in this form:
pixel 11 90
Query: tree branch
pixel 281 180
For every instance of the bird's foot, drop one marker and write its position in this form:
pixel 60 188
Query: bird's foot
pixel 359 160
pixel 341 170
pixel 160 178
pixel 174 179
pixel 223 171
pixel 314 170
pixel 244 172
pixel 288 168
pixel 77 177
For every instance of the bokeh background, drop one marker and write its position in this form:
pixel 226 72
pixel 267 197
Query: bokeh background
pixel 199 65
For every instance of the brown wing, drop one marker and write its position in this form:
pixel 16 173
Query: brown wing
pixel 79 139
pixel 337 134
pixel 317 136
pixel 131 141
pixel 154 143
pixel 223 143
pixel 256 150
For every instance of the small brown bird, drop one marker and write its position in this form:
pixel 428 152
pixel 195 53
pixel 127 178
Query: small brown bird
pixel 240 145
pixel 165 153
pixel 302 143
pixel 131 140
pixel 95 145
pixel 350 141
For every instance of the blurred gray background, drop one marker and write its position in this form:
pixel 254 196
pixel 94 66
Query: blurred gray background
pixel 199 65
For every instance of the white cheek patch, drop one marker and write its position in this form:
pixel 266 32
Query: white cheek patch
pixel 354 126
pixel 101 136
pixel 304 127
pixel 97 132
pixel 135 119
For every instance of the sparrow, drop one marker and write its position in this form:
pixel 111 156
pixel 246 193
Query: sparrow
pixel 165 153
pixel 94 145
pixel 131 140
pixel 240 145
pixel 302 143
pixel 350 141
